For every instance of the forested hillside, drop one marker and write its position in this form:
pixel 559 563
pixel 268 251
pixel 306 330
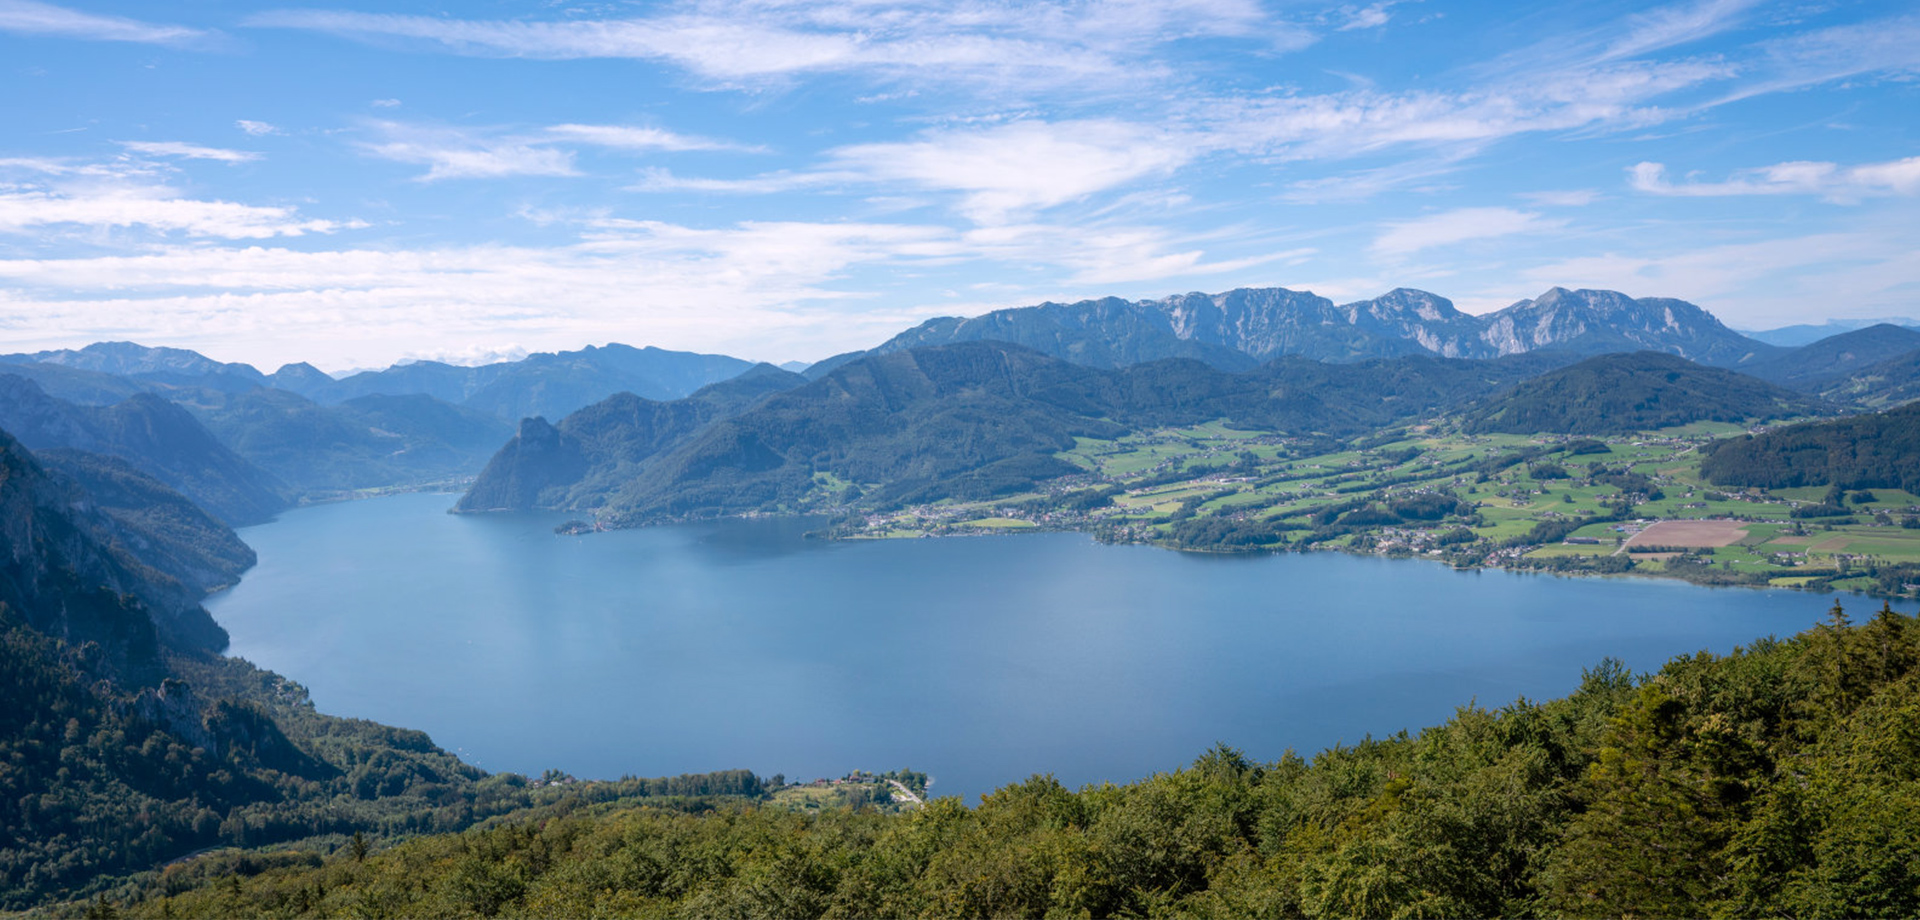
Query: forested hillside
pixel 1617 393
pixel 126 742
pixel 1876 451
pixel 972 420
pixel 1778 780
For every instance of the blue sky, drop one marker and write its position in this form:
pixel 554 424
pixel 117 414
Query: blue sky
pixel 356 183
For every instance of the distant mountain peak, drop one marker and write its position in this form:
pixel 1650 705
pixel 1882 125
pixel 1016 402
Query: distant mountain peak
pixel 1232 330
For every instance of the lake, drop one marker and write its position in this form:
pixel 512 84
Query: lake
pixel 741 644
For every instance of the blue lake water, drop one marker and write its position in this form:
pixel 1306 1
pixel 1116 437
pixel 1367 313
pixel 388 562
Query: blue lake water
pixel 978 660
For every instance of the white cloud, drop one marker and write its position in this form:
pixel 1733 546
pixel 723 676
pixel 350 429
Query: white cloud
pixel 459 153
pixel 385 103
pixel 1890 44
pixel 1665 27
pixel 656 179
pixel 156 209
pixel 1564 198
pixel 754 288
pixel 741 289
pixel 188 151
pixel 1370 17
pixel 636 138
pixel 1456 226
pixel 454 154
pixel 256 128
pixel 1020 166
pixel 1800 177
pixel 470 356
pixel 31 18
pixel 1357 122
pixel 1763 282
pixel 753 40
pixel 999 172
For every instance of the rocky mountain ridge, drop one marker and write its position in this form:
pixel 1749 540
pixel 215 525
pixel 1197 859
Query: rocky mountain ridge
pixel 1236 329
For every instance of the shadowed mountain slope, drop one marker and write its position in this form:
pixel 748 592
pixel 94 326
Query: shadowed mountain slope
pixel 1617 393
pixel 156 436
pixel 595 449
pixel 1826 363
pixel 366 442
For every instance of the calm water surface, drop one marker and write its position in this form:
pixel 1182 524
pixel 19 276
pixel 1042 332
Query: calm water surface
pixel 978 660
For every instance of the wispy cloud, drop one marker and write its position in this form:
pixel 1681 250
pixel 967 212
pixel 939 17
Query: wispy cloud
pixel 1016 167
pixel 760 39
pixel 1358 122
pixel 492 153
pixel 1367 17
pixel 188 151
pixel 1457 226
pixel 755 288
pixel 658 179
pixel 28 17
pixel 1565 198
pixel 1669 26
pixel 256 128
pixel 450 153
pixel 638 138
pixel 998 173
pixel 1763 281
pixel 1801 177
pixel 156 209
pixel 1886 45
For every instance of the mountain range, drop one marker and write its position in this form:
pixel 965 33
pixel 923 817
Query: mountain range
pixel 1243 327
pixel 155 436
pixel 968 420
pixel 628 431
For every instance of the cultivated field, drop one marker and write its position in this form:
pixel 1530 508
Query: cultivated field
pixel 1690 533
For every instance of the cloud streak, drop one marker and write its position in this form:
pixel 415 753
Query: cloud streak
pixel 154 209
pixel 27 17
pixel 1458 226
pixel 748 41
pixel 188 151
pixel 1831 181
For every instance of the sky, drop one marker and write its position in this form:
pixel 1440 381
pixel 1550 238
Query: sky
pixel 357 183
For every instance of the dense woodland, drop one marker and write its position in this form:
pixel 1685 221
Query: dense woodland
pixel 1875 451
pixel 1781 779
pixel 1613 394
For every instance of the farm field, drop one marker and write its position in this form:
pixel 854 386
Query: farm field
pixel 1625 504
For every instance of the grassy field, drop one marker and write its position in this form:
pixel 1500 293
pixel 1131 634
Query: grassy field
pixel 1501 499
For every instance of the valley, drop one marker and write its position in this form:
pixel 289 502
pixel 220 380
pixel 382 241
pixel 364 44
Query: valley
pixel 1559 504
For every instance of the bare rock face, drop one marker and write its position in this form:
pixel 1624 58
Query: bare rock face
pixel 1238 328
pixel 175 709
pixel 537 458
pixel 1598 322
pixel 63 574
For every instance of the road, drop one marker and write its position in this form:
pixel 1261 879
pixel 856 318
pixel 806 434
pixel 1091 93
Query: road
pixel 906 792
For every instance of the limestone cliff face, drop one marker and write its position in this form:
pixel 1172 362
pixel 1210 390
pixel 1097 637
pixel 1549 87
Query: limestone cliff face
pixel 1596 322
pixel 1246 326
pixel 61 573
pixel 537 459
